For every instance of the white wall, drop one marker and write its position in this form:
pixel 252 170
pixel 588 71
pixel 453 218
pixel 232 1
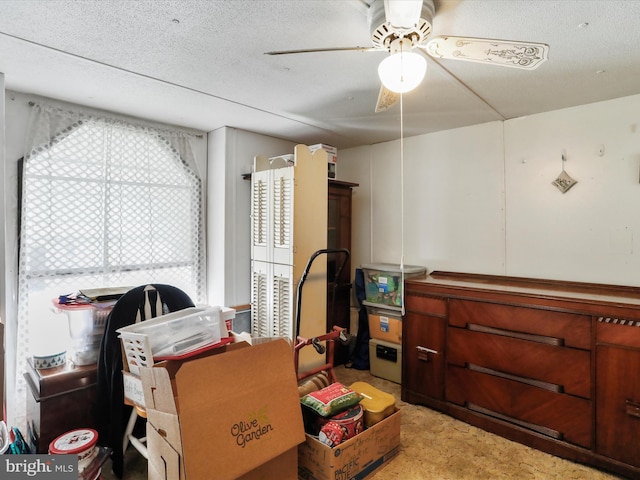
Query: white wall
pixel 3 297
pixel 479 199
pixel 592 232
pixel 231 154
pixel 2 202
pixel 453 186
pixel 16 118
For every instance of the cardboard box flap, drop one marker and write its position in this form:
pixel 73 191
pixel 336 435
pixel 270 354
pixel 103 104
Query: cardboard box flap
pixel 252 411
pixel 165 463
pixel 158 394
pixel 167 426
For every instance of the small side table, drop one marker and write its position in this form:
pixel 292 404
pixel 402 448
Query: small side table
pixel 59 399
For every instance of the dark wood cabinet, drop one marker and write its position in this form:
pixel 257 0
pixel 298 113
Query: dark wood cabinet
pixel 59 400
pixel 554 365
pixel 618 392
pixel 423 347
pixel 339 236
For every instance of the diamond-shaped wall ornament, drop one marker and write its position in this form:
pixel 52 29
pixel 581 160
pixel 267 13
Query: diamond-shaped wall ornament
pixel 564 181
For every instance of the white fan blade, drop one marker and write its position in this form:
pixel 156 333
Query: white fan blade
pixel 386 99
pixel 503 53
pixel 403 13
pixel 317 50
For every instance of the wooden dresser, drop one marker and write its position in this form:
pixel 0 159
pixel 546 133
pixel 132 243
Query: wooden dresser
pixel 550 364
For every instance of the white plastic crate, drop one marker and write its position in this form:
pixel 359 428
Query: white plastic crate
pixel 174 334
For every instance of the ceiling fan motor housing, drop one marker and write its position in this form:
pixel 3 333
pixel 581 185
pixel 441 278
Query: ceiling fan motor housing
pixel 383 33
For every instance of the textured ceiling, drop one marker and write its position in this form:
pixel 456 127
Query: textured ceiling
pixel 201 64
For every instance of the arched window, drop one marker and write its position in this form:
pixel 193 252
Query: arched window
pixel 104 203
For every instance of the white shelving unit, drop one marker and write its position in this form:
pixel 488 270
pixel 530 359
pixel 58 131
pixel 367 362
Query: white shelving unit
pixel 288 224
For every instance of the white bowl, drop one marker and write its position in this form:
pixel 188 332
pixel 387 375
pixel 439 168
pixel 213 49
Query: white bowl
pixel 43 362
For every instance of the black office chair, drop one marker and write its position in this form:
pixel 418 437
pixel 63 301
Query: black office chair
pixel 138 304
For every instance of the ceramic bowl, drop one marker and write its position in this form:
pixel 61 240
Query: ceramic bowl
pixel 43 362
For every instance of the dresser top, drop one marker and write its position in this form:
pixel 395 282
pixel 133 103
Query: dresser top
pixel 457 284
pixel 62 379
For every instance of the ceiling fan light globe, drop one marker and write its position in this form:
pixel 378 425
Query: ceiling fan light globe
pixel 402 71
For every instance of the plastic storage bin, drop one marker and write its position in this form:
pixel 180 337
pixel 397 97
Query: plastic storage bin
pixel 377 404
pixel 172 335
pixel 86 328
pixel 385 324
pixel 385 359
pixel 383 282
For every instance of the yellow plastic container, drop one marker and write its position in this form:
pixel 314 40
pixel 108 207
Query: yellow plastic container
pixel 377 404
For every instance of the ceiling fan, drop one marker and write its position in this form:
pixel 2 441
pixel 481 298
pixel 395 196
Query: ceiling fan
pixel 399 27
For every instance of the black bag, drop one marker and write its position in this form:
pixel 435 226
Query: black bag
pixel 360 354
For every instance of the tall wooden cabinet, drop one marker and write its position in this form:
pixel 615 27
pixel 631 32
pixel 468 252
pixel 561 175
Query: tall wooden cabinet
pixel 339 236
pixel 554 365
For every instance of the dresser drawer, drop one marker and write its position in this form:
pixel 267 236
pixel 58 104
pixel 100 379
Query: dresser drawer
pixel 567 329
pixel 618 331
pixel 557 415
pixel 426 305
pixel 525 358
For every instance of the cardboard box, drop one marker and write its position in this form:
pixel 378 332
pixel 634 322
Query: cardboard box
pixel 332 157
pixel 231 411
pixel 166 463
pixel 385 360
pixel 354 459
pixel 283 467
pixel 385 324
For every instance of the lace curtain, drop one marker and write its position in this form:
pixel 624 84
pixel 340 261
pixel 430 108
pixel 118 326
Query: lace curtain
pixel 104 202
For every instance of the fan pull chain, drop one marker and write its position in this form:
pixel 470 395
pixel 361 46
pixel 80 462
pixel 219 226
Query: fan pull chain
pixel 402 200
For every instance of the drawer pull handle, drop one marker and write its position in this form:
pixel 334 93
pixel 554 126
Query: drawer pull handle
pixel 426 350
pixel 519 335
pixel 537 428
pixel 552 387
pixel 423 353
pixel 633 408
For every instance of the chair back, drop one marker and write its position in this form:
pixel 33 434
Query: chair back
pixel 138 304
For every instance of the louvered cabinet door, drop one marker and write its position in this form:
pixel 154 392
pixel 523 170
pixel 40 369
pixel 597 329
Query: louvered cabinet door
pixel 260 216
pixel 282 306
pixel 271 300
pixel 277 222
pixel 260 298
pixel 281 215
